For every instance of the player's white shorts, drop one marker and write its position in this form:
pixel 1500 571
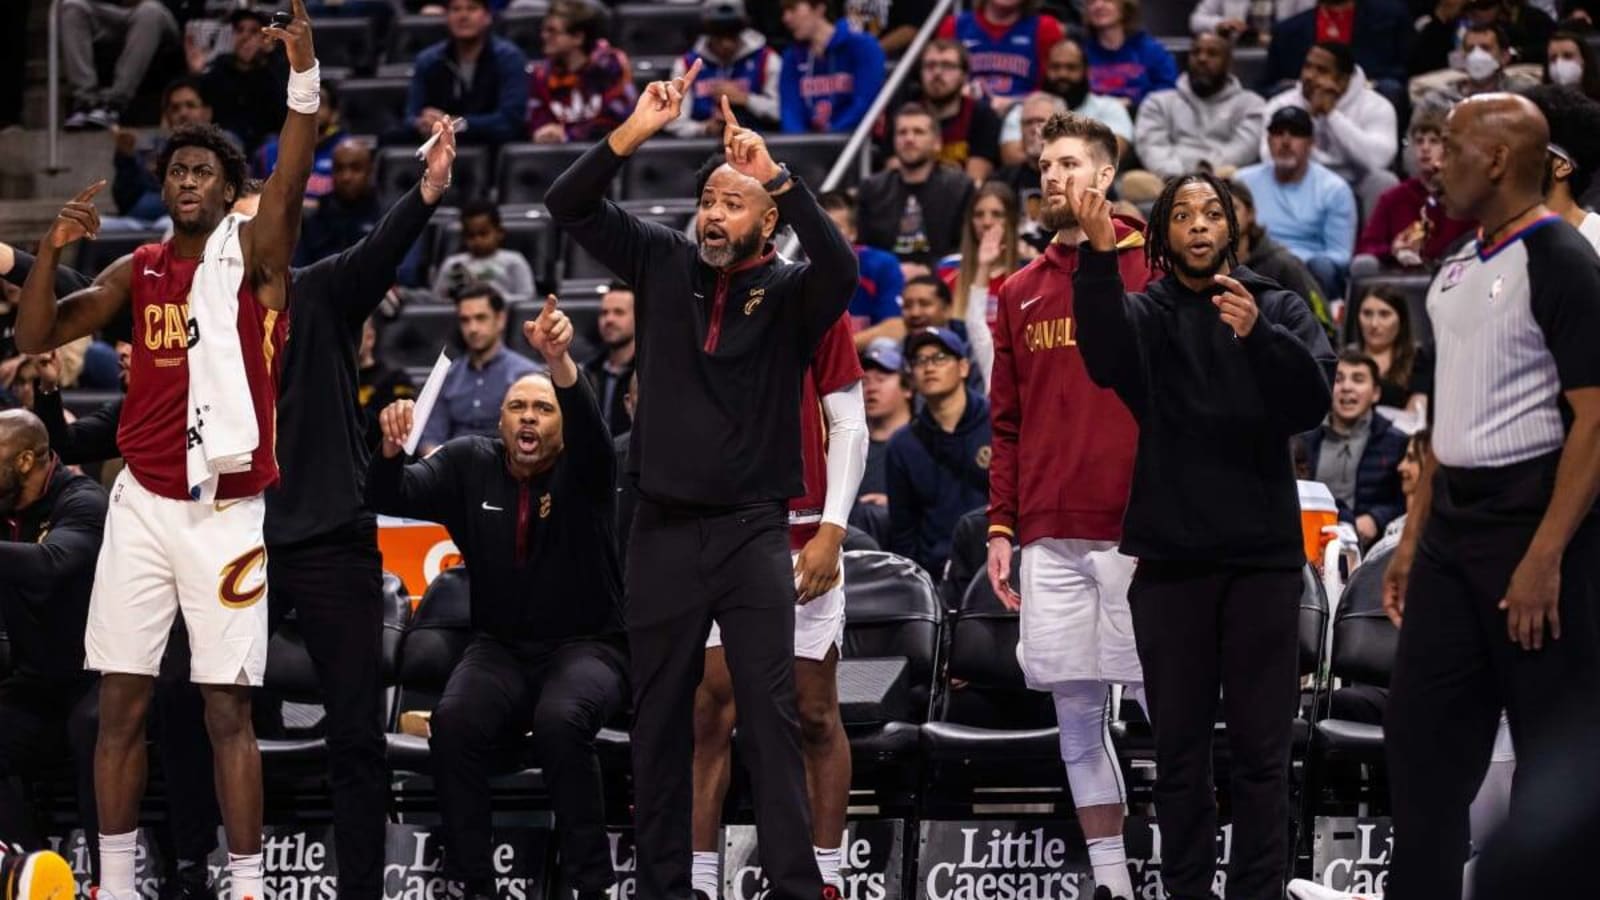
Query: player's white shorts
pixel 1503 751
pixel 160 555
pixel 1076 625
pixel 818 625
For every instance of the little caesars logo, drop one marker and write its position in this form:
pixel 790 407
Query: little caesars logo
pixel 1351 854
pixel 870 861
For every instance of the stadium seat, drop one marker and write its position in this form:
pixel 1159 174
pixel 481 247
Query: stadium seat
pixel 5 654
pixel 810 156
pixel 373 106
pixel 1166 19
pixel 520 26
pixel 292 677
pixel 578 263
pixel 891 610
pixel 644 28
pixel 417 335
pixel 350 43
pixel 526 170
pixel 109 247
pixel 1415 287
pixel 398 170
pixel 410 34
pixel 430 647
pixel 664 169
pixel 856 539
pixel 396 615
pixel 1250 65
pixel 969 555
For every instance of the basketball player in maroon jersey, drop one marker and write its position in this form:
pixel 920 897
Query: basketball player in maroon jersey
pixel 178 536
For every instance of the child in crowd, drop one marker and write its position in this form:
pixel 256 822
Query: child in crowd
pixel 485 258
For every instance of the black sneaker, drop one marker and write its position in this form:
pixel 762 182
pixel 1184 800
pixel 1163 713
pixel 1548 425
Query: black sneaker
pixel 1104 893
pixel 702 895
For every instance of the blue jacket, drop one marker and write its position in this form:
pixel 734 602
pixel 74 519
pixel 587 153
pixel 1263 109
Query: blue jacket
pixel 830 93
pixel 494 102
pixel 1378 491
pixel 1139 66
pixel 1381 43
pixel 878 290
pixel 934 478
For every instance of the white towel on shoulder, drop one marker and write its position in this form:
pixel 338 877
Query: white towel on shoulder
pixel 222 432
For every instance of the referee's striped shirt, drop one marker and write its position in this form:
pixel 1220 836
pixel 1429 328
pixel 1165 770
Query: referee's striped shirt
pixel 1516 324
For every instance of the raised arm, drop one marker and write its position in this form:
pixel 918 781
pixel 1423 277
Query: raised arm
pixel 16 264
pixel 421 490
pixel 43 322
pixel 90 439
pixel 268 239
pixel 1107 334
pixel 584 436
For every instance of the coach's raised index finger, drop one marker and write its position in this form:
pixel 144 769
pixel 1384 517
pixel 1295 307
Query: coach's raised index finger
pixel 687 78
pixel 727 113
pixel 87 194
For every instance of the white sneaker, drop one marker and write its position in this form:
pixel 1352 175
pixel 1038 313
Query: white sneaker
pixel 1301 889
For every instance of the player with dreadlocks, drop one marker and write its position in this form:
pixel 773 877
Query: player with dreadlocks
pixel 1220 367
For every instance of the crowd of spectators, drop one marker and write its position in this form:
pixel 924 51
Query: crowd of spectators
pixel 1325 117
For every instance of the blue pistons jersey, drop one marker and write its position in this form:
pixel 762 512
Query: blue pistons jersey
pixel 1007 65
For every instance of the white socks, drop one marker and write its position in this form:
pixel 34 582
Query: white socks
pixel 706 874
pixel 116 864
pixel 828 865
pixel 245 873
pixel 1110 863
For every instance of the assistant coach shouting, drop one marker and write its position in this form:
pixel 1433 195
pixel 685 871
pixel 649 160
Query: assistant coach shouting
pixel 726 330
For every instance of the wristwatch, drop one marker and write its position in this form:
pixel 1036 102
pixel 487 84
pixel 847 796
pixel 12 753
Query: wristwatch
pixel 779 180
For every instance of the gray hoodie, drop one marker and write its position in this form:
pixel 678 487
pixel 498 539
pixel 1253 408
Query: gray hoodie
pixel 1177 129
pixel 763 91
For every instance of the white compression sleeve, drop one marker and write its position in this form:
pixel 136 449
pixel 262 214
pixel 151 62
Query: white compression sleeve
pixel 847 451
pixel 977 321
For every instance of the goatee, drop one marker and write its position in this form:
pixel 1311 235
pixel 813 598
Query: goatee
pixel 733 250
pixel 1058 218
pixel 1180 263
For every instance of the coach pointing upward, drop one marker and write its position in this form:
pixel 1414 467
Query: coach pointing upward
pixel 726 330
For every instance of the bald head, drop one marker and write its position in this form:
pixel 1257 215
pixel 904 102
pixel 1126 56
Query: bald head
pixel 24 450
pixel 352 170
pixel 21 430
pixel 1495 157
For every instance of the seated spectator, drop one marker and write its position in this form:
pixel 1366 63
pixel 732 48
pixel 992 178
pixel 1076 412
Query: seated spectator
pixel 1571 62
pixel 886 391
pixel 991 251
pixel 1243 22
pixel 1409 227
pixel 348 213
pixel 469 401
pixel 141 28
pixel 1410 469
pixel 893 23
pixel 1264 256
pixel 583 87
pixel 1574 122
pixel 937 467
pixel 1376 33
pixel 1008 42
pixel 1301 203
pixel 1067 77
pixel 969 130
pixel 485 259
pixel 378 383
pixel 831 73
pixel 1356 452
pixel 1208 121
pixel 245 87
pixel 1125 62
pixel 1438 39
pixel 1355 128
pixel 1023 177
pixel 735 61
pixel 1480 69
pixel 330 133
pixel 875 307
pixel 135 184
pixel 926 303
pixel 471 74
pixel 611 370
pixel 914 209
pixel 1383 332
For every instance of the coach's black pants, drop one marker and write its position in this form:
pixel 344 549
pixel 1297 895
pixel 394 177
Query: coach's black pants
pixel 686 567
pixel 1456 667
pixel 563 693
pixel 334 584
pixel 1199 628
pixel 44 721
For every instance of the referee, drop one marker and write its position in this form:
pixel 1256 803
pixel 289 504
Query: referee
pixel 726 330
pixel 1498 570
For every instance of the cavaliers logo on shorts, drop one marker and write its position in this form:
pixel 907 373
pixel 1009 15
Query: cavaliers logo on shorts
pixel 983 457
pixel 231 590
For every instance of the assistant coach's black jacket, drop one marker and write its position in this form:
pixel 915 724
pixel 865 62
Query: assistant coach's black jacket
pixel 541 554
pixel 47 557
pixel 721 352
pixel 1213 480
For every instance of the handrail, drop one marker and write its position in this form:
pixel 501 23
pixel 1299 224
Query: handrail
pixel 855 148
pixel 53 55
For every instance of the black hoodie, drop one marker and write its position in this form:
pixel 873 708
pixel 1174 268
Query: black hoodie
pixel 1213 480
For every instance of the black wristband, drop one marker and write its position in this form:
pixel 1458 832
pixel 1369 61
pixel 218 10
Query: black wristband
pixel 779 180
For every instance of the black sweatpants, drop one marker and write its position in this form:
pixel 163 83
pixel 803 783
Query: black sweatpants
pixel 42 721
pixel 1456 668
pixel 563 693
pixel 1199 628
pixel 334 584
pixel 687 566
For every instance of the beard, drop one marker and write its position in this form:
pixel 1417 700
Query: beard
pixel 1181 263
pixel 1073 92
pixel 733 250
pixel 1206 86
pixel 10 492
pixel 1058 218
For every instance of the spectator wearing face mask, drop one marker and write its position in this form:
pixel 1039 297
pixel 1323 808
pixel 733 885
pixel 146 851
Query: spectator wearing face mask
pixel 1480 69
pixel 1409 227
pixel 1208 119
pixel 1356 452
pixel 1440 37
pixel 1571 62
pixel 1067 76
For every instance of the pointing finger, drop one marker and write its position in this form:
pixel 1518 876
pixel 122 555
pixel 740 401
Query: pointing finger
pixel 87 194
pixel 727 113
pixel 550 303
pixel 299 7
pixel 688 77
pixel 1233 286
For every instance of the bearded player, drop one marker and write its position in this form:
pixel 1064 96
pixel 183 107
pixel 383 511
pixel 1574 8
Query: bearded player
pixel 184 529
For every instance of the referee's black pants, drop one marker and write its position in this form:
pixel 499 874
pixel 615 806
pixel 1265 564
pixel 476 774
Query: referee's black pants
pixel 1200 628
pixel 563 693
pixel 687 566
pixel 334 584
pixel 42 722
pixel 1456 667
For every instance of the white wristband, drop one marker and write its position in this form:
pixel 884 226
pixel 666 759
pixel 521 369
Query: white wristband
pixel 305 89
